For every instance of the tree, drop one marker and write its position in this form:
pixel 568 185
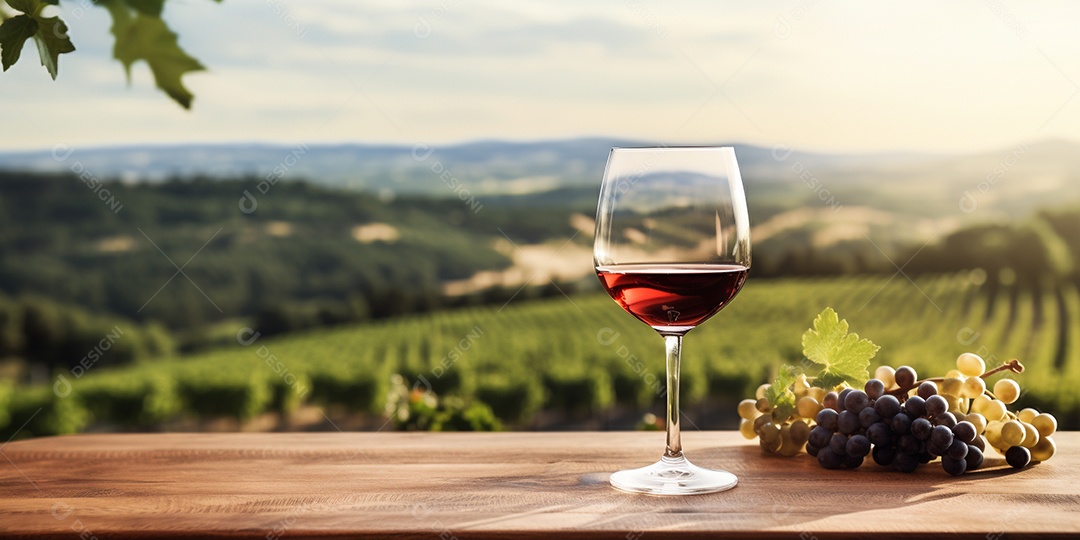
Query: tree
pixel 139 31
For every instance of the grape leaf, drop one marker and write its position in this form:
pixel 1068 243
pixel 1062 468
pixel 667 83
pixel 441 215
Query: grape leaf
pixel 52 41
pixel 145 37
pixel 842 356
pixel 780 395
pixel 28 7
pixel 13 34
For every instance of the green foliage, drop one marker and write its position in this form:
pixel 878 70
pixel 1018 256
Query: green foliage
pixel 418 409
pixel 842 357
pixel 294 264
pixel 139 31
pixel 779 393
pixel 546 356
pixel 49 33
pixel 142 35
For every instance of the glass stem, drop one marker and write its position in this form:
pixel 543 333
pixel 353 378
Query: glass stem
pixel 673 345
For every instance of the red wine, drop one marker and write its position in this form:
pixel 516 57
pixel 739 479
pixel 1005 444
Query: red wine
pixel 674 297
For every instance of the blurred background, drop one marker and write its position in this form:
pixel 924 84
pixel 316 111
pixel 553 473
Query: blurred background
pixel 352 215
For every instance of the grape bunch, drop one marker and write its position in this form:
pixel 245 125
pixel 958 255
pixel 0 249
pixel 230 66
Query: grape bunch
pixel 778 433
pixel 894 433
pixel 900 421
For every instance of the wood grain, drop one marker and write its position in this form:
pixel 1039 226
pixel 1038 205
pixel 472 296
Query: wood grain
pixel 499 485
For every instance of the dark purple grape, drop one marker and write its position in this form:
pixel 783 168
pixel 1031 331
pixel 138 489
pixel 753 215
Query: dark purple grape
pixel 847 422
pixel 830 400
pixel 901 424
pixel 826 418
pixel 829 459
pixel 905 377
pixel 905 462
pixel 941 437
pixel 921 428
pixel 852 462
pixel 841 399
pixel 868 417
pixel 858 445
pixel 957 450
pixel 883 455
pixel 856 401
pixel 955 467
pixel 819 436
pixel 1018 456
pixel 880 434
pixel 915 407
pixel 974 457
pixel 965 431
pixel 812 450
pixel 887 406
pixel 838 444
pixel 925 457
pixel 936 405
pixel 874 388
pixel 934 450
pixel 946 419
pixel 979 443
pixel 927 389
pixel 908 444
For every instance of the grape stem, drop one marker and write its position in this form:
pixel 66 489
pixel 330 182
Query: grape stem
pixel 1013 365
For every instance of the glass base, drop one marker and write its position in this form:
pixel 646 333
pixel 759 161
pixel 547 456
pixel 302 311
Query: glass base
pixel 673 476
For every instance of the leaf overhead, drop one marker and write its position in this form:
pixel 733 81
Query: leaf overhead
pixel 13 34
pixel 52 41
pixel 28 7
pixel 146 37
pixel 843 357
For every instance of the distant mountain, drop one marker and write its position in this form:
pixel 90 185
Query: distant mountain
pixel 482 167
pixel 1008 182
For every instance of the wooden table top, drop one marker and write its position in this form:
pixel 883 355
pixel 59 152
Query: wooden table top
pixel 499 485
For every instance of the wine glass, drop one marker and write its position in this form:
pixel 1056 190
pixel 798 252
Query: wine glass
pixel 672 247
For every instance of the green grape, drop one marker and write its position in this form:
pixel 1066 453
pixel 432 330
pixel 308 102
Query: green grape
pixel 977 420
pixel 817 393
pixel 954 403
pixel 955 374
pixel 1027 415
pixel 760 422
pixel 748 409
pixel 760 392
pixel 1012 433
pixel 979 403
pixel 993 432
pixel 808 407
pixel 972 388
pixel 1031 435
pixel 950 387
pixel 746 427
pixel 1045 423
pixel 1044 449
pixel 970 364
pixel 800 432
pixel 771 438
pixel 800 387
pixel 788 446
pixel 769 432
pixel 1007 390
pixel 995 410
pixel 886 375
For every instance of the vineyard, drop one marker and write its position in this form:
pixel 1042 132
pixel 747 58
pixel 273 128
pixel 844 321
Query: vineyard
pixel 577 357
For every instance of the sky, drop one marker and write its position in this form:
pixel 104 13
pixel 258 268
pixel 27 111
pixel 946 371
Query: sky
pixel 811 75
